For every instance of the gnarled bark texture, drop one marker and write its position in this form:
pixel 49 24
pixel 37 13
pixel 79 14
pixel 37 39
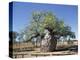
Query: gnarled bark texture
pixel 48 43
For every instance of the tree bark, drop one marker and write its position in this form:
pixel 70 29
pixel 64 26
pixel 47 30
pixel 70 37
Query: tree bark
pixel 53 43
pixel 49 45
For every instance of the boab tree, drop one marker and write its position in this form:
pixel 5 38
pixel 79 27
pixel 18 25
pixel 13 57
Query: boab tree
pixel 47 20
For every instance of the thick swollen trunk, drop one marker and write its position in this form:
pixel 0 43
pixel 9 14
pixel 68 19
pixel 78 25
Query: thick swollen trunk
pixel 44 45
pixel 53 43
pixel 48 45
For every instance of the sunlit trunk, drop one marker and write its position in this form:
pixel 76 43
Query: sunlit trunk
pixel 49 45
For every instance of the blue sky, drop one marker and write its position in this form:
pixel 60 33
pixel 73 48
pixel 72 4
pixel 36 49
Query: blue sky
pixel 22 14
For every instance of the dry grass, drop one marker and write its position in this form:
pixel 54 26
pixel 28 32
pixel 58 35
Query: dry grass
pixel 35 52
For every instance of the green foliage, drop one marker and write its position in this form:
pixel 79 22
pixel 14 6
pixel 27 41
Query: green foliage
pixel 42 20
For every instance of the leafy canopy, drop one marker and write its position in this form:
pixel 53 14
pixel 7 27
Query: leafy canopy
pixel 42 20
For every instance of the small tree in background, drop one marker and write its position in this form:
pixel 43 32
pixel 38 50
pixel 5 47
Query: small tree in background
pixel 12 36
